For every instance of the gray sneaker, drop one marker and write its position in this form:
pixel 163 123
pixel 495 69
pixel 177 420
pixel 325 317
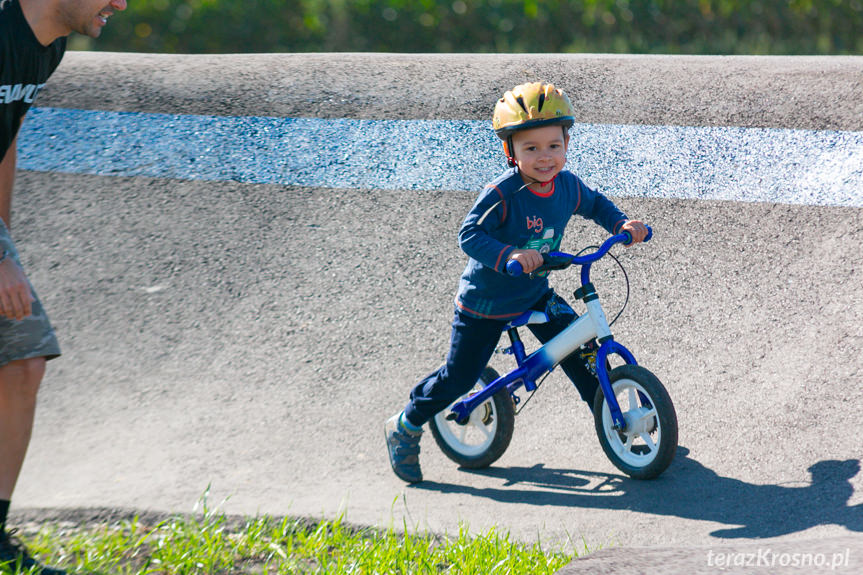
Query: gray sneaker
pixel 404 450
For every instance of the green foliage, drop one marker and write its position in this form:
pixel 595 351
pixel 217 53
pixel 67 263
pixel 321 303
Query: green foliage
pixel 211 544
pixel 615 26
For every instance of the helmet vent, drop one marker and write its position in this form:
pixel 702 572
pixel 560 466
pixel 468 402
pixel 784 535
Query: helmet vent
pixel 529 106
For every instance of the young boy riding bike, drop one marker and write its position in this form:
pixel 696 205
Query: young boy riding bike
pixel 519 216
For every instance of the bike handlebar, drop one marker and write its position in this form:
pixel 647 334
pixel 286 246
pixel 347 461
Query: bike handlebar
pixel 561 260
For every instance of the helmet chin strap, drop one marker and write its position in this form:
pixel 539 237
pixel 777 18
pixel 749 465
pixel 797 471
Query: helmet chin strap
pixel 535 181
pixel 544 184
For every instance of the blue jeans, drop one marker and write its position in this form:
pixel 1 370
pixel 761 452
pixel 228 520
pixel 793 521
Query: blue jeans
pixel 472 344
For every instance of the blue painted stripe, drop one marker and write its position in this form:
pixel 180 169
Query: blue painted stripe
pixel 741 164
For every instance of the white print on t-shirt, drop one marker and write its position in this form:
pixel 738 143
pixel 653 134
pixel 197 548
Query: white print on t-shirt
pixel 14 92
pixel 544 244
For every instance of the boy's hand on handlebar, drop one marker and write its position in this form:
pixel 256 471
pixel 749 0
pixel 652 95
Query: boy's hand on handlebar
pixel 636 229
pixel 529 259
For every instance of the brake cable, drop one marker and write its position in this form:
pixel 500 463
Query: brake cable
pixel 625 277
pixel 529 397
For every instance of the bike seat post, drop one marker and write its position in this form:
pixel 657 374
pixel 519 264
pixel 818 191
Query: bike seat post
pixel 517 345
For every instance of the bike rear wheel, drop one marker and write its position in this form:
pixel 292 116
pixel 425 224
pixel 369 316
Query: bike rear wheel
pixel 649 443
pixel 481 440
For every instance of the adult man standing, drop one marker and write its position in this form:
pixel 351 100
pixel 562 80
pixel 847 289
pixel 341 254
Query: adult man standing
pixel 32 43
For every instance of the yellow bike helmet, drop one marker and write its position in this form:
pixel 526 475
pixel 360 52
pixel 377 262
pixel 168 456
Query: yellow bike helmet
pixel 530 106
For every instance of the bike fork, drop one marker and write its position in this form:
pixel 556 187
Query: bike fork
pixel 605 349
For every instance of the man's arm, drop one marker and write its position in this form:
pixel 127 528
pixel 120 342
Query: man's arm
pixel 15 296
pixel 7 181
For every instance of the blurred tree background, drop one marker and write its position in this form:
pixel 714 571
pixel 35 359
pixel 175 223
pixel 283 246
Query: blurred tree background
pixel 615 26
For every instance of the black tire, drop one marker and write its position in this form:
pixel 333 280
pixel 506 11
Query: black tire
pixel 491 423
pixel 631 452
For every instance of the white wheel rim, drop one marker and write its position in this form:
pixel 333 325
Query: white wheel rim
pixel 474 437
pixel 639 445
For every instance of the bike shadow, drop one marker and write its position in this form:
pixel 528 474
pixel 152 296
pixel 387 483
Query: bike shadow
pixel 689 490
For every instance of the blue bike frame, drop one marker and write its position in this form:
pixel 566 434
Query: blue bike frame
pixel 593 324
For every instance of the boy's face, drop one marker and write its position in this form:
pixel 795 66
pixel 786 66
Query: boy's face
pixel 540 153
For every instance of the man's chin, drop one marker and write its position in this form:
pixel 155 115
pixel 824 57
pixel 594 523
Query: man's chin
pixel 92 31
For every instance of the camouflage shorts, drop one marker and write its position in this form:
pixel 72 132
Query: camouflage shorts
pixel 32 336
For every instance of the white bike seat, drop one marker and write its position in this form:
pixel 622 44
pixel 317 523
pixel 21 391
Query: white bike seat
pixel 528 317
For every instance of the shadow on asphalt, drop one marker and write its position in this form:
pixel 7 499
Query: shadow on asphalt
pixel 687 489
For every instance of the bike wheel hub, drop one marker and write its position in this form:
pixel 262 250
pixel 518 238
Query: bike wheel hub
pixel 640 420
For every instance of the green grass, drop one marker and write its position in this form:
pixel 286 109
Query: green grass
pixel 212 543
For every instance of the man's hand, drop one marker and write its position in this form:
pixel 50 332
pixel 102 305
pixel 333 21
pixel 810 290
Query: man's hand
pixel 529 259
pixel 15 295
pixel 636 229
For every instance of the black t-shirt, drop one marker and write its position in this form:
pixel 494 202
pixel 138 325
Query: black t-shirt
pixel 25 66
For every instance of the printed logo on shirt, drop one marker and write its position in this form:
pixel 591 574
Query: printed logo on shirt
pixel 14 92
pixel 535 224
pixel 543 244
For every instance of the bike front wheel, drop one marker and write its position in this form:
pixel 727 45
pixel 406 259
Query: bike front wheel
pixel 645 449
pixel 484 437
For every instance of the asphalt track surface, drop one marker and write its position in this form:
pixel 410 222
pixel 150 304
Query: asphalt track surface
pixel 254 337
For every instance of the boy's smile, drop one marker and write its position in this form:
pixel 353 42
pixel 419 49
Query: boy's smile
pixel 540 153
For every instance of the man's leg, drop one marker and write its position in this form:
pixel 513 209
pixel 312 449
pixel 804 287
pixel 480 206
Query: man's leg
pixel 19 385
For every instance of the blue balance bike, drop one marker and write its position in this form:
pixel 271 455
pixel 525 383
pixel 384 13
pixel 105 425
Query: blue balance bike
pixel 633 413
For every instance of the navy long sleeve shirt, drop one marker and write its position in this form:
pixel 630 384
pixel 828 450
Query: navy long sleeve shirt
pixel 508 216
